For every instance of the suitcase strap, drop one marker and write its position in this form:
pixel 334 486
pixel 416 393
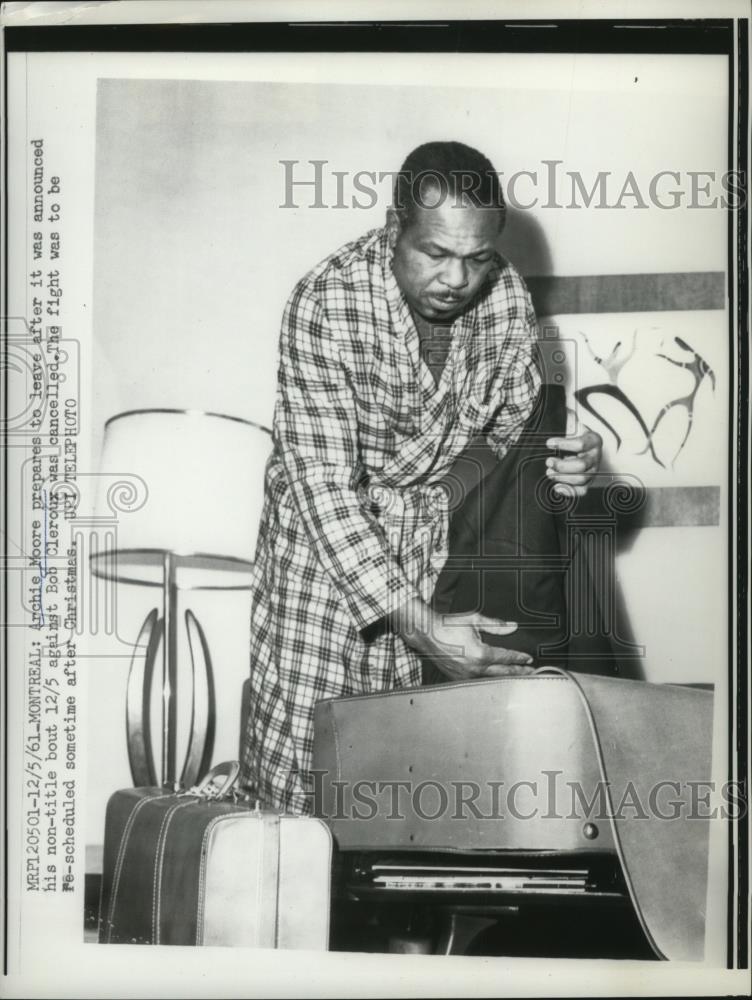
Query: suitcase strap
pixel 268 883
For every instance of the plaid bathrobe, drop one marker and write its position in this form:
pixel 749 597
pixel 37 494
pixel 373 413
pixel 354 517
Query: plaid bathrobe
pixel 355 518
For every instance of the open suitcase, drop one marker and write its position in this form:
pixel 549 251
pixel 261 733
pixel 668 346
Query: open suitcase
pixel 589 756
pixel 201 868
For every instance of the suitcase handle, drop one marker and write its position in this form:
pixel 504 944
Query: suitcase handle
pixel 207 786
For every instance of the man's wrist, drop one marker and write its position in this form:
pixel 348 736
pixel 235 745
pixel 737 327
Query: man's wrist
pixel 412 621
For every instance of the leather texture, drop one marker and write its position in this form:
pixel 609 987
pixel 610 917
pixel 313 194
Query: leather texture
pixel 186 871
pixel 647 734
pixel 483 731
pixel 509 551
pixel 604 733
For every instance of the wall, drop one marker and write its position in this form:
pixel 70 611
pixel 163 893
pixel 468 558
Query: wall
pixel 195 258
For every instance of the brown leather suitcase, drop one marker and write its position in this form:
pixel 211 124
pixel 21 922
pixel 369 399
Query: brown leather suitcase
pixel 198 868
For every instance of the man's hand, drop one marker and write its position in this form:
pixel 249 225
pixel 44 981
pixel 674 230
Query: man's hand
pixel 573 473
pixel 455 645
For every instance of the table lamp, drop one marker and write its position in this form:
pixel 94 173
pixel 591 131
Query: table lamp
pixel 202 480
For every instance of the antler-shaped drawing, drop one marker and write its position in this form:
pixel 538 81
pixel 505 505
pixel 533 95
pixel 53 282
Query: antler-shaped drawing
pixel 613 365
pixel 699 367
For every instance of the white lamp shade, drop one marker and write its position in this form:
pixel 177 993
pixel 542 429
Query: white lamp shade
pixel 184 482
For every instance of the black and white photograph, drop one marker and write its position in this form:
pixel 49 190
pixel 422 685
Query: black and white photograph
pixel 376 453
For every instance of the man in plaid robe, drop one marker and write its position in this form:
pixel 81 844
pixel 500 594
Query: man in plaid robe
pixel 395 352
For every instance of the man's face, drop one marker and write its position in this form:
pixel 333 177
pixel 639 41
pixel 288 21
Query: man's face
pixel 442 256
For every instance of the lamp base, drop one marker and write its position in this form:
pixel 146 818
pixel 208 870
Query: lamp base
pixel 138 706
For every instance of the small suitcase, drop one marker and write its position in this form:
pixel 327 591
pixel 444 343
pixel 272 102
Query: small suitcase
pixel 200 868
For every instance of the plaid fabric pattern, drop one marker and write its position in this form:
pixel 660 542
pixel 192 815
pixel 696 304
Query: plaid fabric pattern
pixel 355 517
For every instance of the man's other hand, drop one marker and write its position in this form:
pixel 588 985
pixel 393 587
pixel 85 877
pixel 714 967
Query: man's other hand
pixel 455 644
pixel 573 472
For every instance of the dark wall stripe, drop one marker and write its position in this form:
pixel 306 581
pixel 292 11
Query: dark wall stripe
pixel 619 293
pixel 676 506
pixel 662 507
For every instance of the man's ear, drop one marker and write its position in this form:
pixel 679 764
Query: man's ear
pixel 393 226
